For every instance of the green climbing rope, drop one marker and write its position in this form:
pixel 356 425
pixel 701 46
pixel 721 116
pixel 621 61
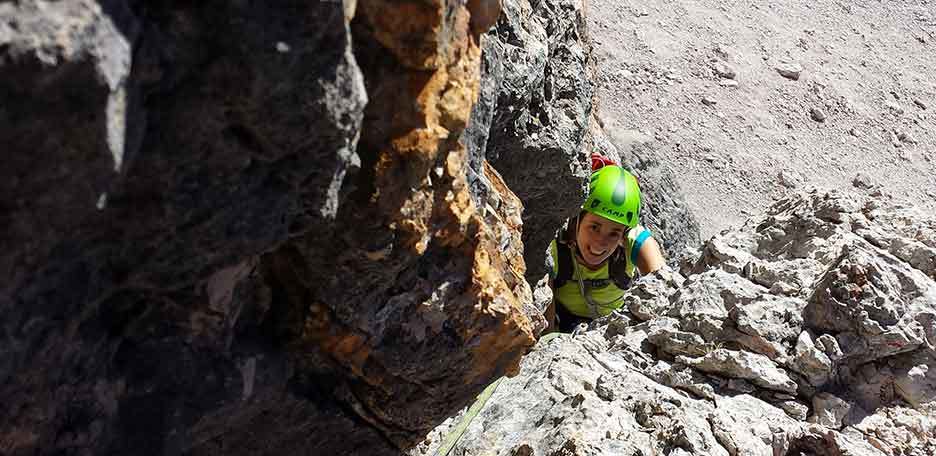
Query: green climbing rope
pixel 455 434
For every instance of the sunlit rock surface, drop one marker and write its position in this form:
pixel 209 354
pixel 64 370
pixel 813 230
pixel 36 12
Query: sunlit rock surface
pixel 839 361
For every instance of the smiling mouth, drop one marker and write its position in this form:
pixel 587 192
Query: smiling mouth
pixel 598 253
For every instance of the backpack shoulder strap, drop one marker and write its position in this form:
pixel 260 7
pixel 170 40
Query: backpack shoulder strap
pixel 564 254
pixel 617 269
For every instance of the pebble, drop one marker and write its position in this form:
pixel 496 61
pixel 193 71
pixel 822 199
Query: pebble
pixel 724 70
pixel 817 114
pixel 894 106
pixel 728 83
pixel 790 70
pixel 282 47
pixel 708 101
pixel 863 180
pixel 673 75
pixel 919 103
pixel 788 179
pixel 716 163
pixel 893 138
pixel 905 137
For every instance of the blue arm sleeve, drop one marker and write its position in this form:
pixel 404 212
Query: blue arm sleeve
pixel 638 243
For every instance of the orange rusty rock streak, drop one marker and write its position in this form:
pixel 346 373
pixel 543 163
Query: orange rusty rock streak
pixel 339 342
pixel 409 29
pixel 426 206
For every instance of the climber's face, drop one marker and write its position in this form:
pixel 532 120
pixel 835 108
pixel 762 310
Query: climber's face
pixel 597 237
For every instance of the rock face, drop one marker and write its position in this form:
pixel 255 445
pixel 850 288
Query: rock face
pixel 532 117
pixel 726 362
pixel 536 122
pixel 247 228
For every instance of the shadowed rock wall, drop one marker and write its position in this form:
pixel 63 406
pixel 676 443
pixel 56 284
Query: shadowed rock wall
pixel 532 118
pixel 245 228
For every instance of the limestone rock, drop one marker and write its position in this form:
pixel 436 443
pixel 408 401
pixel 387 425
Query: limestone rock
pixel 724 70
pixel 648 298
pixel 829 410
pixel 863 180
pixel 557 411
pixel 884 396
pixel 665 334
pixel 771 318
pixel 746 425
pixel 894 107
pixel 817 114
pixel 829 345
pixel 702 306
pixel 748 366
pixel 790 70
pixel 810 361
pixel 731 252
pixel 853 296
pixel 794 409
pixel 681 377
pixel 790 179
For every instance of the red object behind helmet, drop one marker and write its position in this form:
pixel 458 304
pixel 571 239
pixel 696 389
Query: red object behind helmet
pixel 599 161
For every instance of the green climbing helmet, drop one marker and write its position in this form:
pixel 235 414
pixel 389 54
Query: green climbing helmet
pixel 613 193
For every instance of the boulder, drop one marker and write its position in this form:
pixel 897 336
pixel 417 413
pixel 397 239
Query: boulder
pixel 829 410
pixel 665 334
pixel 809 361
pixel 755 368
pixel 703 304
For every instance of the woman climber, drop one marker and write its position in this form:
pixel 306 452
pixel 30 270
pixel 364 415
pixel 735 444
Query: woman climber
pixel 598 253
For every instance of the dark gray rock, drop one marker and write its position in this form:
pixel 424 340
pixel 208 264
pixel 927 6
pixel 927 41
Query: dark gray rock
pixel 212 251
pixel 533 130
pixel 136 200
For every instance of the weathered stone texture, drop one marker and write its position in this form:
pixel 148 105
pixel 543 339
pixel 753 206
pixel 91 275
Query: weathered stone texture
pixel 716 364
pixel 532 117
pixel 246 228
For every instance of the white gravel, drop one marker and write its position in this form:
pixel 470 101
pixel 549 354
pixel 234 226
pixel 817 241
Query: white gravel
pixel 863 66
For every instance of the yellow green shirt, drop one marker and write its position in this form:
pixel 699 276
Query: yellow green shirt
pixel 606 298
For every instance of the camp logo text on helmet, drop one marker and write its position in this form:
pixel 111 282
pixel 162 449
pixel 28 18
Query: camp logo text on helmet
pixel 613 194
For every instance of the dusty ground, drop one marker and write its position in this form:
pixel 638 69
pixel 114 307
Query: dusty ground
pixel 869 67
